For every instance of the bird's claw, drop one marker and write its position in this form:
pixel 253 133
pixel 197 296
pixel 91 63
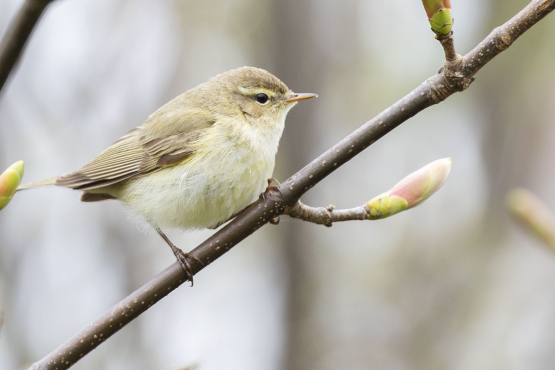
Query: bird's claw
pixel 270 186
pixel 182 258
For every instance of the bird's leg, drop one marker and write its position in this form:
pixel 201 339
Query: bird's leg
pixel 181 257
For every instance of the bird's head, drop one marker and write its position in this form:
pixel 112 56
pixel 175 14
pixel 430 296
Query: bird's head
pixel 259 95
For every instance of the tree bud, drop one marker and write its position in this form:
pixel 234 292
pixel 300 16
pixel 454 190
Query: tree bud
pixel 439 15
pixel 530 212
pixel 9 181
pixel 412 190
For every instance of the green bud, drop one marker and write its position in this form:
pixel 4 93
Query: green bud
pixel 439 15
pixel 9 181
pixel 385 205
pixel 441 21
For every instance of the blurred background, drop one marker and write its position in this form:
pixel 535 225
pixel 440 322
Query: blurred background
pixel 452 284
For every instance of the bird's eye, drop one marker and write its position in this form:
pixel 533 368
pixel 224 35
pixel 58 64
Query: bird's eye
pixel 262 99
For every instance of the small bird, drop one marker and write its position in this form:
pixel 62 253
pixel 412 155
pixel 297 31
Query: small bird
pixel 198 160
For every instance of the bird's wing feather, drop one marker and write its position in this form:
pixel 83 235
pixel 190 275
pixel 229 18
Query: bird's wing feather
pixel 136 153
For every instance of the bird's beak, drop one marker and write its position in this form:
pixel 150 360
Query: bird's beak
pixel 302 96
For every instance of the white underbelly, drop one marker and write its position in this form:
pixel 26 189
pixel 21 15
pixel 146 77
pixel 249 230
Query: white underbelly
pixel 199 194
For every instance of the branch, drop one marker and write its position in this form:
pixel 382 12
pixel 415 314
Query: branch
pixel 275 201
pixel 451 57
pixel 17 34
pixel 327 215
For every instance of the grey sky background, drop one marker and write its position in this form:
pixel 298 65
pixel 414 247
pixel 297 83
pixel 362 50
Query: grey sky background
pixel 452 284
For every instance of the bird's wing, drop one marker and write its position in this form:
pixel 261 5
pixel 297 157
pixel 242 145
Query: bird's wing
pixel 135 154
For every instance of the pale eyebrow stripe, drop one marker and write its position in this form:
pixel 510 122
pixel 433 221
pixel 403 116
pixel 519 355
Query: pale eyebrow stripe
pixel 256 90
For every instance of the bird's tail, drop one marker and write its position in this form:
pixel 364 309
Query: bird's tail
pixel 35 184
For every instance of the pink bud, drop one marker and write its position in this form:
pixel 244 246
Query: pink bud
pixel 421 184
pixel 433 6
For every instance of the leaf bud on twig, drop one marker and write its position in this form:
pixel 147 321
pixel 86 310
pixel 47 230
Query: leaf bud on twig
pixel 9 181
pixel 412 190
pixel 530 212
pixel 439 15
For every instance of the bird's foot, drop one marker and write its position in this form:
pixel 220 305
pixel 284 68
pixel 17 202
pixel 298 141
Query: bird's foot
pixel 270 186
pixel 182 258
pixel 275 220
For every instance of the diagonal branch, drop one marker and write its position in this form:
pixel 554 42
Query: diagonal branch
pixel 448 81
pixel 17 34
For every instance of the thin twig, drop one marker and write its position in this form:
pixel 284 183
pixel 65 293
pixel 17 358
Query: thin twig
pixel 16 36
pixel 275 201
pixel 327 215
pixel 451 56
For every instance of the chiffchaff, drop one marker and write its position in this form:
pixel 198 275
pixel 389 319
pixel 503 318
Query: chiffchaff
pixel 198 160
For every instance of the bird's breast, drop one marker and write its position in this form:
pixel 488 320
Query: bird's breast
pixel 227 173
